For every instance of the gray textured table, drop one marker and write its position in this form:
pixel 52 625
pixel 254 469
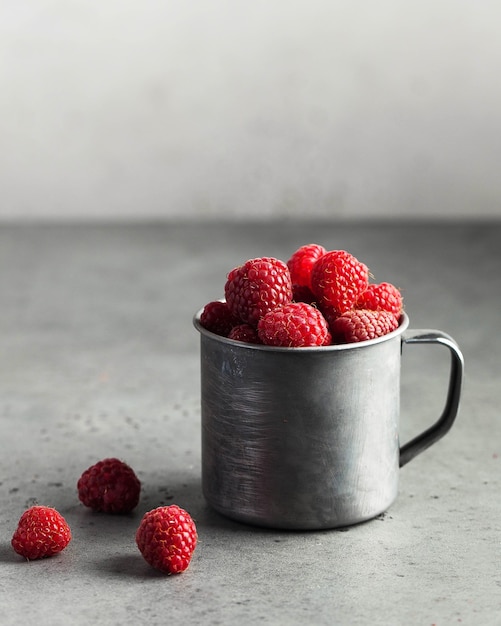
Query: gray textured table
pixel 99 358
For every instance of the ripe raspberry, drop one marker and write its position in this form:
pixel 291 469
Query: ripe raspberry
pixel 381 297
pixel 42 531
pixel 256 287
pixel 302 261
pixel 110 486
pixel 217 318
pixel 338 279
pixel 296 324
pixel 245 333
pixel 362 324
pixel 167 538
pixel 330 314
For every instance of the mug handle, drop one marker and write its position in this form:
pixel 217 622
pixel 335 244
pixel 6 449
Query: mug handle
pixel 445 421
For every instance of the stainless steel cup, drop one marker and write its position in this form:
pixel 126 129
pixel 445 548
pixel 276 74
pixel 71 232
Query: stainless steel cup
pixel 307 438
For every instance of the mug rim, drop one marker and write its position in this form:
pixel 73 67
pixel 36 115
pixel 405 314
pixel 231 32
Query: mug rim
pixel 402 326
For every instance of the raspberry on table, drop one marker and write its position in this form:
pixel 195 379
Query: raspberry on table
pixel 256 287
pixel 217 318
pixel 245 333
pixel 338 279
pixel 167 537
pixel 41 532
pixel 110 486
pixel 362 324
pixel 294 325
pixel 302 261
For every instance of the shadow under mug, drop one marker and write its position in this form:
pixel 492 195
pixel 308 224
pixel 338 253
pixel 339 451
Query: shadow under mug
pixel 308 438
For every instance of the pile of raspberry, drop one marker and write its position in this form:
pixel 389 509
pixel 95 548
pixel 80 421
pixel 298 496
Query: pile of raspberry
pixel 319 297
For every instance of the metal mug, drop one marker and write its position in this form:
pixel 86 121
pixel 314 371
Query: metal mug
pixel 308 438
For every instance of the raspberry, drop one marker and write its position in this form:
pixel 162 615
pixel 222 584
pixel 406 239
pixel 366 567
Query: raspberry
pixel 167 538
pixel 217 318
pixel 362 324
pixel 330 314
pixel 302 261
pixel 256 287
pixel 110 486
pixel 381 297
pixel 42 531
pixel 338 279
pixel 297 324
pixel 245 333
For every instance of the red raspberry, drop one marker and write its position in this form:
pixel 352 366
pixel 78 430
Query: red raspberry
pixel 338 279
pixel 381 297
pixel 42 531
pixel 297 324
pixel 330 314
pixel 167 538
pixel 245 333
pixel 362 324
pixel 110 486
pixel 256 287
pixel 302 261
pixel 217 318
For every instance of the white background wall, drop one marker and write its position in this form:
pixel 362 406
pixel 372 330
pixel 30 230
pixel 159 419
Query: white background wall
pixel 166 108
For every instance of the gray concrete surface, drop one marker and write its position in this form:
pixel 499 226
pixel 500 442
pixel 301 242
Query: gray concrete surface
pixel 99 358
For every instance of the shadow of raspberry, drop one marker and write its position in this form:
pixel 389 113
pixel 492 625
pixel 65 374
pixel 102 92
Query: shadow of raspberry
pixel 130 565
pixel 8 555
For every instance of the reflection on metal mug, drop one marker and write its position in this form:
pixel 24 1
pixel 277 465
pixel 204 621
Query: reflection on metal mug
pixel 308 438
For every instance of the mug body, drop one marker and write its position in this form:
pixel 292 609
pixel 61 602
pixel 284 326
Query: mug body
pixel 300 438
